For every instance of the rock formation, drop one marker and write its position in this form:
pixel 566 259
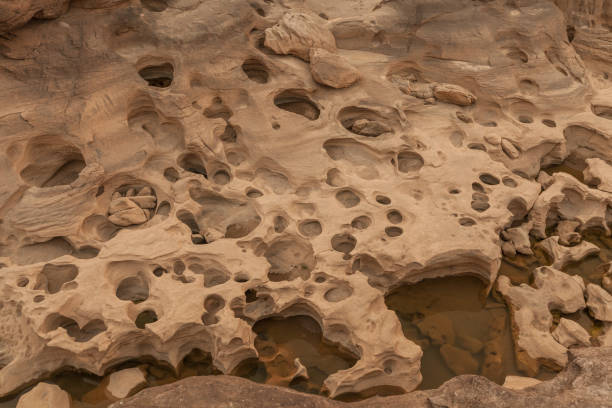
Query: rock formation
pixel 176 171
pixel 584 383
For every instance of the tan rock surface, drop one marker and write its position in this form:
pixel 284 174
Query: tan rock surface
pixel 599 302
pixel 45 395
pixel 530 306
pixel 126 382
pixel 518 383
pixel 569 333
pixel 162 156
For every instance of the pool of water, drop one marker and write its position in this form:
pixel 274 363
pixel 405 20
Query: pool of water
pixel 459 329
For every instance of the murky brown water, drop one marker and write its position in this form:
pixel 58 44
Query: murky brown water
pixel 459 330
pixel 280 341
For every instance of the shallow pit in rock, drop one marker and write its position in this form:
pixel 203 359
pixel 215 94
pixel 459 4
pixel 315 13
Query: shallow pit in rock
pixel 296 101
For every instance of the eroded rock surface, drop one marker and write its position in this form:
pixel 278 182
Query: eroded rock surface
pixel 176 171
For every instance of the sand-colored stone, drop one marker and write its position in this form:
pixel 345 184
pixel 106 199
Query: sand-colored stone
pixel 599 302
pixel 168 151
pixel 530 306
pixel 569 333
pixel 45 395
pixel 518 383
pixel 123 383
pixel 331 69
pixel 562 255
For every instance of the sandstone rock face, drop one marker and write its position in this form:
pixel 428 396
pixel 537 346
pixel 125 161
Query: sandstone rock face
pixel 584 383
pixel 176 171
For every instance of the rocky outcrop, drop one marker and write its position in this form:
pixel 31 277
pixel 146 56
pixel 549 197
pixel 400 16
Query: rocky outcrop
pixel 585 382
pixel 531 306
pixel 175 172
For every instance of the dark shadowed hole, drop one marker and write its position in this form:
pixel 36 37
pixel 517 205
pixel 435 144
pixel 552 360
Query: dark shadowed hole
pixel 297 102
pixel 255 70
pixel 144 318
pixel 158 76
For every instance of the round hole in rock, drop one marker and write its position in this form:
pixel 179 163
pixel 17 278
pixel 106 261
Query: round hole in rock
pixel 384 200
pixel 466 222
pixel 178 267
pixel 280 224
pixel 477 146
pixel 214 277
pixel 100 191
pixel 454 191
pixel 338 293
pixel 221 177
pixel 296 101
pixel 22 282
pixel 209 319
pixel 347 198
pixel 171 174
pixel 550 123
pixel 489 179
pixel 362 222
pixel 310 228
pixel 214 303
pixel 134 289
pixel 275 125
pixel 144 318
pixel 235 158
pixel 255 70
pixel 480 206
pixel 159 271
pixel 241 277
pixel 393 231
pixel 320 279
pixel 334 178
pixel 86 252
pixel 363 121
pixel 478 187
pixel 52 162
pixel 525 119
pixel 38 298
pixel 509 182
pixel 163 208
pixel 409 162
pixel 229 135
pixel 395 217
pixel 158 76
pixel 191 162
pixel 254 193
pixel 344 243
